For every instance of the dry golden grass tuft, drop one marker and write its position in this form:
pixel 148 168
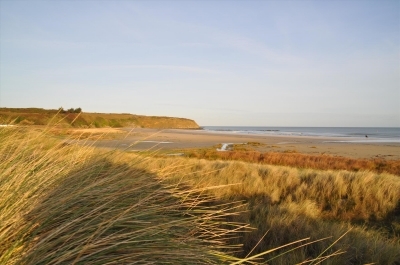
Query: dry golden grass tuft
pixel 339 194
pixel 65 204
pixel 294 203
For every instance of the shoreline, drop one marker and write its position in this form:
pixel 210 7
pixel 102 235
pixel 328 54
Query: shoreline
pixel 296 135
pixel 139 139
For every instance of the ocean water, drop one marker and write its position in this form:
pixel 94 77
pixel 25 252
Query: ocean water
pixel 343 134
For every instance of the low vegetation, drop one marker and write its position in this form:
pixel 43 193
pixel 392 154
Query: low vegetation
pixel 76 118
pixel 322 162
pixel 68 204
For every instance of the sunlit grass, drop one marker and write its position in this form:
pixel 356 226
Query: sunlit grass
pixel 63 204
pixel 293 203
pixel 72 204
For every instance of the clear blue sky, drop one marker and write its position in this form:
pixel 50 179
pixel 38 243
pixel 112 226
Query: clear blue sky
pixel 261 63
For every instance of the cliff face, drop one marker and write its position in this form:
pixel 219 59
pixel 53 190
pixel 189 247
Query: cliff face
pixel 166 122
pixel 36 116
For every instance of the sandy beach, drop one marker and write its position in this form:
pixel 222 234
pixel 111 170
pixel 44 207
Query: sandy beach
pixel 175 139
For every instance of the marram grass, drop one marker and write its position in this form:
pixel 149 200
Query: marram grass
pixel 63 204
pixel 292 203
pixel 68 204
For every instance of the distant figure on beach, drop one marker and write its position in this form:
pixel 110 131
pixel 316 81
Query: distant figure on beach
pixel 366 136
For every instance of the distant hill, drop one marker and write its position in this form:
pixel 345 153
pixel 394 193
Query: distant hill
pixel 76 118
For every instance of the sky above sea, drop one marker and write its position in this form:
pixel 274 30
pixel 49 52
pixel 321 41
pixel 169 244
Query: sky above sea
pixel 249 63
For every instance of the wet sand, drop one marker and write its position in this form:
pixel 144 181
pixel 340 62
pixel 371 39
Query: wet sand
pixel 174 139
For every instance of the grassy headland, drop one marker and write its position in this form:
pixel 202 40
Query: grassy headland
pixel 37 116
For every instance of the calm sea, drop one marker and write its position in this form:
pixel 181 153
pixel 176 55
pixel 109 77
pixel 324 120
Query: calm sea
pixel 348 134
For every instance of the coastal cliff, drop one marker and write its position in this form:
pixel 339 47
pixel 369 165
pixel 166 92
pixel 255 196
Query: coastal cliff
pixel 76 118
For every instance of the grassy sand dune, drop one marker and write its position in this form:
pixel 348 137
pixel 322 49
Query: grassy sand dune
pixel 293 203
pixel 62 204
pixel 70 204
pixel 338 194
